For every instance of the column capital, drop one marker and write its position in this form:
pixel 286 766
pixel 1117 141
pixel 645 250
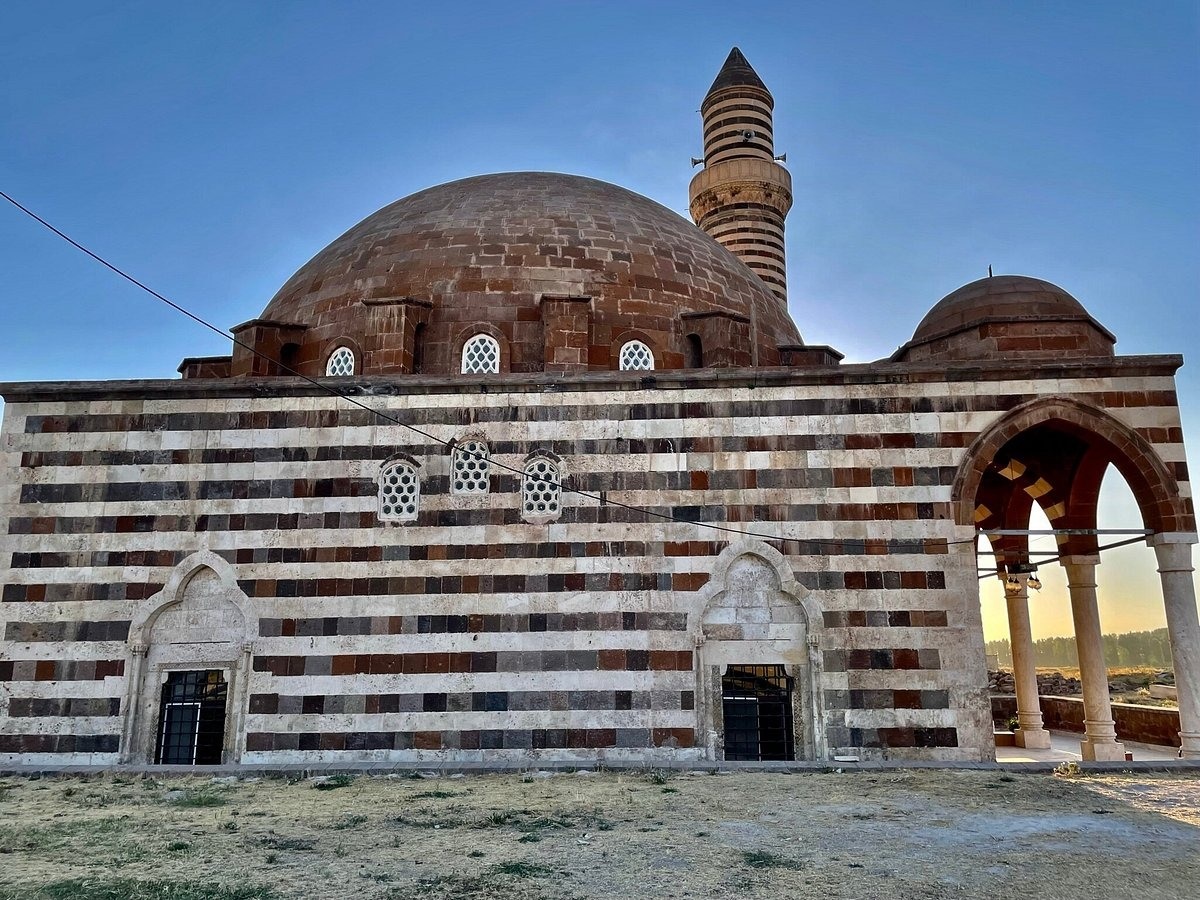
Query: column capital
pixel 1081 570
pixel 1172 537
pixel 1173 556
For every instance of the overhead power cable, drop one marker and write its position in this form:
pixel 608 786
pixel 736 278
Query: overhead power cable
pixel 334 392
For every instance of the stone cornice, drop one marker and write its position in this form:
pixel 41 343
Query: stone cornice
pixel 883 372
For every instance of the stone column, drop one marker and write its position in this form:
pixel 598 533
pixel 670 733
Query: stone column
pixel 133 703
pixel 1100 732
pixel 1174 553
pixel 1032 733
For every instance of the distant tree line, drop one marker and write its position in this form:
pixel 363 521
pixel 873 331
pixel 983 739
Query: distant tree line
pixel 1134 648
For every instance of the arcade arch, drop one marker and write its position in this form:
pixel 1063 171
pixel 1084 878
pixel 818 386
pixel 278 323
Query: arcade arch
pixel 1055 452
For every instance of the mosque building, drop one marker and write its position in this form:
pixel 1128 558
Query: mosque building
pixel 528 467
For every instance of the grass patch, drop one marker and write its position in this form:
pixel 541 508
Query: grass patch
pixel 130 889
pixel 437 795
pixel 333 782
pixel 762 859
pixel 63 833
pixel 426 819
pixel 351 821
pixel 520 869
pixel 199 799
pixel 274 842
pixel 178 846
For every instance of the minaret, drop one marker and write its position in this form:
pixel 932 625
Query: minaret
pixel 742 194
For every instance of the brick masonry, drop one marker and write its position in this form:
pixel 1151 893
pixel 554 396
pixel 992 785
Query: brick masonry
pixel 471 634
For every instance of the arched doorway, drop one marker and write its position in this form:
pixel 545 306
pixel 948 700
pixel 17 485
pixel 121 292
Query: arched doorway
pixel 1054 452
pixel 189 648
pixel 757 662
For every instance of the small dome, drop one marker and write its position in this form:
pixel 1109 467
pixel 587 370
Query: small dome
pixel 1005 316
pixel 486 251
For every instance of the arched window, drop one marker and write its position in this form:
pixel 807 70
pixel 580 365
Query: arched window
pixel 541 490
pixel 399 492
pixel 635 356
pixel 695 352
pixel 481 355
pixel 469 468
pixel 340 362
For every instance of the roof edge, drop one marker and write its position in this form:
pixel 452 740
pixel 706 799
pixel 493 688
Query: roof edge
pixel 880 372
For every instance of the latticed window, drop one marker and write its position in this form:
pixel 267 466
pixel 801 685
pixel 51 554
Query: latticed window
pixel 341 362
pixel 636 356
pixel 541 491
pixel 481 355
pixel 469 471
pixel 399 492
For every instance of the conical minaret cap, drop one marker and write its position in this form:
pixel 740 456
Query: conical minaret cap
pixel 736 72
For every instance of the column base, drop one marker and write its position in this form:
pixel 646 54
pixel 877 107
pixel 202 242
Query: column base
pixel 1033 738
pixel 1106 751
pixel 1190 745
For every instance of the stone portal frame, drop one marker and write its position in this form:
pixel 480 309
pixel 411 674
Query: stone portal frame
pixel 152 656
pixel 791 639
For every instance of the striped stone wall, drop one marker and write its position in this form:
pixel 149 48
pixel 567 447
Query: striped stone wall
pixel 471 634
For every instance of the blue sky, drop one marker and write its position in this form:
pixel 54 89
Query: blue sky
pixel 212 148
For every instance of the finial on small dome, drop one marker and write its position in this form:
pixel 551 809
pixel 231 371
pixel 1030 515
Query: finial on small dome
pixel 989 271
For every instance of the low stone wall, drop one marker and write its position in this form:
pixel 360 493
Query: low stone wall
pixel 1146 724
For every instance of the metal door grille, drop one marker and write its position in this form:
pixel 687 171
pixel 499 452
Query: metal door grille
pixel 757 703
pixel 192 719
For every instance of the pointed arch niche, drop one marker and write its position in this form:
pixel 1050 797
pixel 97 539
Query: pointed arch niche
pixel 753 613
pixel 199 622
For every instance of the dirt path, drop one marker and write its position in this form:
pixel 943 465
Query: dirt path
pixel 925 834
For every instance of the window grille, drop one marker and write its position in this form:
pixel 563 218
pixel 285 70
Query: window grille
pixel 757 706
pixel 636 356
pixel 399 492
pixel 191 723
pixel 341 362
pixel 481 355
pixel 541 491
pixel 469 470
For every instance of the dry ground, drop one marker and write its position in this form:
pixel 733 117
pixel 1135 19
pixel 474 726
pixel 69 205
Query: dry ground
pixel 918 834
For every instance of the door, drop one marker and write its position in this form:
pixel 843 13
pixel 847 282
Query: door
pixel 757 707
pixel 192 719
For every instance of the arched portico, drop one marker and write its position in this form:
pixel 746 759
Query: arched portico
pixel 753 623
pixel 199 624
pixel 1055 452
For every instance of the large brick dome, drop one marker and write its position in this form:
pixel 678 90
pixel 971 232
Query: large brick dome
pixel 558 268
pixel 1007 315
